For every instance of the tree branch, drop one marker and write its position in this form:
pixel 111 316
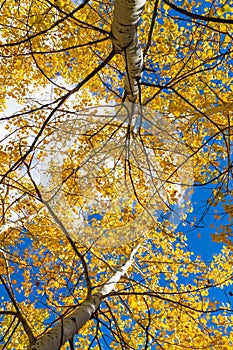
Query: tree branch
pixel 196 16
pixel 18 313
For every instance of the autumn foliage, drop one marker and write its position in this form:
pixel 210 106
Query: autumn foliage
pixel 87 177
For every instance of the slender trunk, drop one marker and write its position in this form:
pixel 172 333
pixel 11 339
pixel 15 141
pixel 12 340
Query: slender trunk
pixel 69 326
pixel 126 16
pixel 134 65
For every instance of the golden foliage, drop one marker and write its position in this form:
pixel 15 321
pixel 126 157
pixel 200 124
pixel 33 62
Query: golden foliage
pixel 57 63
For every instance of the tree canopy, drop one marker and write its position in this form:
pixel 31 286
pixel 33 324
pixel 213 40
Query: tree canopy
pixel 124 109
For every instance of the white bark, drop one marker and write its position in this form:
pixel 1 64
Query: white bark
pixel 134 64
pixel 69 326
pixel 126 16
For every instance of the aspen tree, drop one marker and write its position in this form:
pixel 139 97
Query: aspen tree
pixel 70 325
pixel 171 297
pixel 126 16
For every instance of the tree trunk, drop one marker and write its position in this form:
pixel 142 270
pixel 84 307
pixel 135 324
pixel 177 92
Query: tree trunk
pixel 69 326
pixel 126 16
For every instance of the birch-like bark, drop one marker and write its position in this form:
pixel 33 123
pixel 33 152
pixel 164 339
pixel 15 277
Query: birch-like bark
pixel 134 65
pixel 126 16
pixel 69 326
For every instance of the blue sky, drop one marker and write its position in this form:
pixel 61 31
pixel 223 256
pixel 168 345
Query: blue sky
pixel 199 239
